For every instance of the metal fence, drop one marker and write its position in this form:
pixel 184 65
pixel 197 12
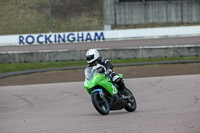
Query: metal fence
pixel 42 16
pixel 127 13
pixel 119 1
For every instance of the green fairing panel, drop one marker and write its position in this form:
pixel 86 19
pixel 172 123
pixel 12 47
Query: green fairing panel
pixel 109 86
pixel 101 80
pixel 88 86
pixel 93 82
pixel 121 75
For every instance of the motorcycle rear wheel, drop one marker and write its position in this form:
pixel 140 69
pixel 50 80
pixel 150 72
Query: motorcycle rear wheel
pixel 100 103
pixel 131 106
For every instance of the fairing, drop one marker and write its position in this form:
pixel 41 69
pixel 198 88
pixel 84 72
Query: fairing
pixel 100 80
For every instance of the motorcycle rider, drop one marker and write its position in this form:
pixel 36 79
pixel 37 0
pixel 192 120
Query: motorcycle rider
pixel 102 65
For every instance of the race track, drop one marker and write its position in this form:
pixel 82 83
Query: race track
pixel 110 44
pixel 165 105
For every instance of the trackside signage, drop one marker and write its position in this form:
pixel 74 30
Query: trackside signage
pixel 95 36
pixel 61 38
pixel 52 38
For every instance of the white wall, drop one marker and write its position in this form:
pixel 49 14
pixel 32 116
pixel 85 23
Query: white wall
pixel 92 36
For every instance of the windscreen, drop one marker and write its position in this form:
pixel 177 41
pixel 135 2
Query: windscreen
pixel 90 71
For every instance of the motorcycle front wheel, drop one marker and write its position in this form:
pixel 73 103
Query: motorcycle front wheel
pixel 100 103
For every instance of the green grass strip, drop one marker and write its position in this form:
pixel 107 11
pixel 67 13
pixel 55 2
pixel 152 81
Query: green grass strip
pixel 138 60
pixel 12 67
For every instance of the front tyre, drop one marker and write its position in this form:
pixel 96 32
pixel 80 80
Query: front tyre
pixel 131 105
pixel 100 103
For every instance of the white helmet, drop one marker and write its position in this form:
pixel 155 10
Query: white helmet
pixel 92 55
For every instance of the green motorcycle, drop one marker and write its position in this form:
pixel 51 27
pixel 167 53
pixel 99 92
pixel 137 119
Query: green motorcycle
pixel 105 95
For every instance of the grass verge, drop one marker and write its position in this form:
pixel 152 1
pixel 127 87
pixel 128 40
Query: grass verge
pixel 12 67
pixel 32 16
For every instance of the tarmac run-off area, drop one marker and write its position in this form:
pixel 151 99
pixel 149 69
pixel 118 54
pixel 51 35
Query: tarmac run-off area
pixel 168 104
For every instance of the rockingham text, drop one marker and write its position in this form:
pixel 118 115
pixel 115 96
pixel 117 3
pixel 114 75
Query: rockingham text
pixel 61 38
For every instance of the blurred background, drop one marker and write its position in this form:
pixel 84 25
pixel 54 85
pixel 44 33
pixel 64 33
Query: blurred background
pixel 43 16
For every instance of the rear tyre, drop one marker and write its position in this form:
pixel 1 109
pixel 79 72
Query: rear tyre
pixel 100 103
pixel 132 105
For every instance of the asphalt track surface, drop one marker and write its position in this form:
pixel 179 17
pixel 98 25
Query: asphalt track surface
pixel 109 44
pixel 165 105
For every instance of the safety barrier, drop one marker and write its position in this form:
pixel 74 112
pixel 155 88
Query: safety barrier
pixel 122 53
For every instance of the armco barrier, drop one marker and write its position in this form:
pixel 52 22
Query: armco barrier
pixel 134 52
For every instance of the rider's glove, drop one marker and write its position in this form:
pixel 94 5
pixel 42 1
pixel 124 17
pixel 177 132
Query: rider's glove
pixel 108 72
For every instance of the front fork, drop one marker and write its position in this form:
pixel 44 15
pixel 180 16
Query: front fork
pixel 100 92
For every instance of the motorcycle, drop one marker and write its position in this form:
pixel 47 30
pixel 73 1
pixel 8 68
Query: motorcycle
pixel 105 95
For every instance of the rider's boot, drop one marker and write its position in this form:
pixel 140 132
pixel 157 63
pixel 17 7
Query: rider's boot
pixel 122 87
pixel 119 81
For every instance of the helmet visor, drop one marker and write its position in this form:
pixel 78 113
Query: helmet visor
pixel 89 57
